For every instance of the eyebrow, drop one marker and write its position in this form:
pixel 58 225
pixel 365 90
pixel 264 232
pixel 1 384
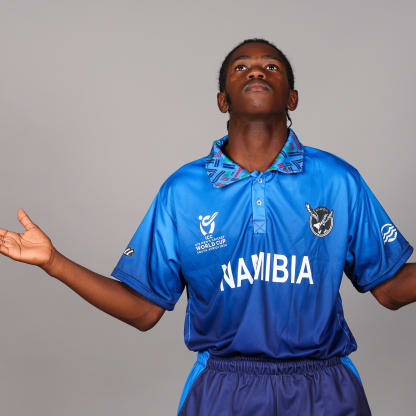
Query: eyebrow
pixel 275 57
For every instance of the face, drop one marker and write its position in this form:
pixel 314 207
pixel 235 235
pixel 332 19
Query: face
pixel 256 83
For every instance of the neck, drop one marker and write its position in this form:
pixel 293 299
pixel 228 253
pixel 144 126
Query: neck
pixel 255 144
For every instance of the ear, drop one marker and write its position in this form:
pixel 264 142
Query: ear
pixel 222 102
pixel 293 100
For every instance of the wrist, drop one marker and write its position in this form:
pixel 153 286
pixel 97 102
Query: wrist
pixel 52 265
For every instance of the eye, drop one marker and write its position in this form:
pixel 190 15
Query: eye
pixel 272 67
pixel 240 67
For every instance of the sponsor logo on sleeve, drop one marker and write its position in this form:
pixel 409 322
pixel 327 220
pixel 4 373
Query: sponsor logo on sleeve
pixel 128 251
pixel 389 233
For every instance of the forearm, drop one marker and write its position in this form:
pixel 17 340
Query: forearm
pixel 400 290
pixel 111 296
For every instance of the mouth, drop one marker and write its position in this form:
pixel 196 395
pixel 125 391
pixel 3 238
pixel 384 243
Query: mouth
pixel 256 86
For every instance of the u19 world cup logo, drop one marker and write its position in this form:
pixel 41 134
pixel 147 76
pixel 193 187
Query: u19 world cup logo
pixel 207 221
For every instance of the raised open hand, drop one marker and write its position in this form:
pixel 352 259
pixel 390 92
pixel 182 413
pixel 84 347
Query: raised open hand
pixel 33 246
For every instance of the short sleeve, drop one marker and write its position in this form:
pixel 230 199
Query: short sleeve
pixel 150 264
pixel 376 248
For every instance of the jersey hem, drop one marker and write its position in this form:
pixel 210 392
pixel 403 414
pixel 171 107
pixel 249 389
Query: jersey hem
pixel 138 287
pixel 388 275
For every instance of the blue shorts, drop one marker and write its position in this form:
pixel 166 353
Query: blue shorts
pixel 248 386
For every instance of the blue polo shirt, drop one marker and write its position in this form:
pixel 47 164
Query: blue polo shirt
pixel 262 254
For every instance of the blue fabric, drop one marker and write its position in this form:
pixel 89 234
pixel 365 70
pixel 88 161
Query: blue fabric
pixel 154 268
pixel 262 257
pixel 347 361
pixel 197 369
pixel 247 386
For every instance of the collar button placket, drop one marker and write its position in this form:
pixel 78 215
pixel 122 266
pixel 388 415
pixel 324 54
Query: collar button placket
pixel 258 204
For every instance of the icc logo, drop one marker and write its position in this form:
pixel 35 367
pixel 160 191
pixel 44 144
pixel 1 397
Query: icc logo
pixel 207 221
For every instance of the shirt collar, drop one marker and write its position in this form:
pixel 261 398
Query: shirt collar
pixel 223 171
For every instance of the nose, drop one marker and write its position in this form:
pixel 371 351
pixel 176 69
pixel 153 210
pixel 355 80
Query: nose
pixel 256 72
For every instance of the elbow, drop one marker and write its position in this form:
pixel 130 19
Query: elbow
pixel 387 301
pixel 149 320
pixel 141 324
pixel 143 327
pixel 384 297
pixel 391 304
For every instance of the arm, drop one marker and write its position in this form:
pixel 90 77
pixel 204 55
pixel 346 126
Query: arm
pixel 399 290
pixel 111 296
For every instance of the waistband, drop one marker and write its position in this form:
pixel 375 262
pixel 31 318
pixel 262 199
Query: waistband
pixel 269 366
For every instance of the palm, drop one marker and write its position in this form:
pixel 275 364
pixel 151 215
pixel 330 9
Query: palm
pixel 33 246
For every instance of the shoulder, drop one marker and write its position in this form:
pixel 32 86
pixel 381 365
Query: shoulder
pixel 330 165
pixel 188 178
pixel 190 172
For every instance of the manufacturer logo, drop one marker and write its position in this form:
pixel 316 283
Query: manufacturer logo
pixel 389 233
pixel 128 251
pixel 207 227
pixel 207 221
pixel 321 220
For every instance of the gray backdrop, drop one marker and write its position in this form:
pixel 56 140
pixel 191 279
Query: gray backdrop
pixel 101 100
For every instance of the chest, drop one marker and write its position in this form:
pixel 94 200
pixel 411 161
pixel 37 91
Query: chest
pixel 263 228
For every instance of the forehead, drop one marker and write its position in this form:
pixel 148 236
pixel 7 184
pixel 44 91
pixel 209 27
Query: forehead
pixel 255 50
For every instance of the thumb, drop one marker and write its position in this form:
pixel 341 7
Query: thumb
pixel 25 220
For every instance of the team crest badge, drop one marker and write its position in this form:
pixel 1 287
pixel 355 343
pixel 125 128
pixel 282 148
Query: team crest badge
pixel 321 220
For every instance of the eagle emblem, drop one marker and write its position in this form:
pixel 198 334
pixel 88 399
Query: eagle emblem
pixel 321 220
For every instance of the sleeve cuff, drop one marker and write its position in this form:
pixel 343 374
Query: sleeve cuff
pixel 138 287
pixel 390 273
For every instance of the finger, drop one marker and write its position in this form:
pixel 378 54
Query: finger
pixel 3 232
pixel 25 220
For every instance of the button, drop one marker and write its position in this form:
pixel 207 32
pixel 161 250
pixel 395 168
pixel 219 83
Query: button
pixel 259 202
pixel 260 180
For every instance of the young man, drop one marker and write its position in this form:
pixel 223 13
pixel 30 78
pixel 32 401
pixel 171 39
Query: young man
pixel 259 233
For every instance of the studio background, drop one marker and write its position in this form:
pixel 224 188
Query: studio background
pixel 100 101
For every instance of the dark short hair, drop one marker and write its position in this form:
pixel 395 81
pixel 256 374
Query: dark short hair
pixel 224 67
